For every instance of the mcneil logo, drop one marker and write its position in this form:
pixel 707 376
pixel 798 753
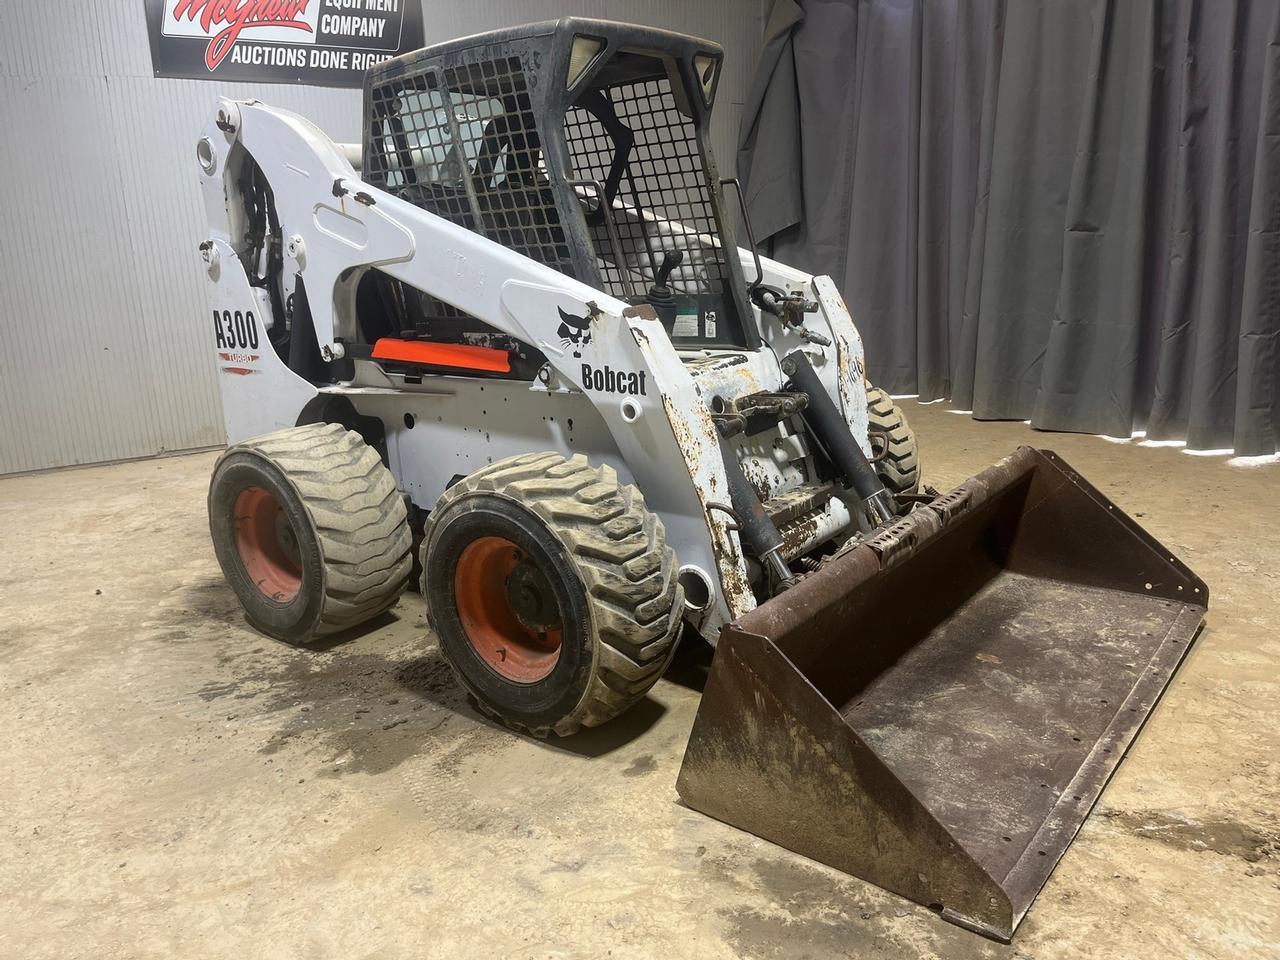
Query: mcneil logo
pixel 230 18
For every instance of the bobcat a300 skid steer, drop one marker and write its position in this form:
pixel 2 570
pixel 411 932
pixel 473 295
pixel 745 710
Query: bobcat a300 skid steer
pixel 514 326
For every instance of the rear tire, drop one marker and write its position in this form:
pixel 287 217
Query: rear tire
pixel 309 530
pixel 898 465
pixel 552 591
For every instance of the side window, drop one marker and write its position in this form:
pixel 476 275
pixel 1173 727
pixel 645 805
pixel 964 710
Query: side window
pixel 463 143
pixel 485 148
pixel 426 126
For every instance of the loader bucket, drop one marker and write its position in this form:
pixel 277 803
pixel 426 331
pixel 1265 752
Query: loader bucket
pixel 937 709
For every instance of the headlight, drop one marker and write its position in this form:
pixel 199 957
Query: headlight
pixel 584 52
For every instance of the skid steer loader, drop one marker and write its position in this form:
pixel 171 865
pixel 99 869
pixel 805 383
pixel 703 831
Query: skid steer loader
pixel 512 332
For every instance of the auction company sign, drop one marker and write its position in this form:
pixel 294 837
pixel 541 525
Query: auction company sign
pixel 323 42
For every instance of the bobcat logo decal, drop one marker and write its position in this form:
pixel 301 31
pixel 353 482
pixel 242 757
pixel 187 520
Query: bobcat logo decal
pixel 574 331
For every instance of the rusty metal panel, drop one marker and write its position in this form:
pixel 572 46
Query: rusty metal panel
pixel 938 709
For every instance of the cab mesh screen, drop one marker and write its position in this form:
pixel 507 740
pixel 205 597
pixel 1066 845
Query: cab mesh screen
pixel 463 144
pixel 663 202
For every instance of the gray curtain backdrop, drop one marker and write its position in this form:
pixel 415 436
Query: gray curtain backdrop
pixel 1066 211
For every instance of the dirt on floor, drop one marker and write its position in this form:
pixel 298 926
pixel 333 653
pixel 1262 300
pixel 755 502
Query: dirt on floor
pixel 180 785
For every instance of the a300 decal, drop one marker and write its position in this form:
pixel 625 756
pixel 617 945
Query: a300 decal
pixel 235 331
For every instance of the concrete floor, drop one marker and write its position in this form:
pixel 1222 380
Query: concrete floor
pixel 181 786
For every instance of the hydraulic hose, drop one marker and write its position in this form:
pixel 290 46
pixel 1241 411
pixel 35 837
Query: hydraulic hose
pixel 832 432
pixel 758 532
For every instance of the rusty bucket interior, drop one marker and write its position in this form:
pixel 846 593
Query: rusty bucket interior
pixel 937 709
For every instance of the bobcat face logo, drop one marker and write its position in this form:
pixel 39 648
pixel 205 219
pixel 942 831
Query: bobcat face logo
pixel 574 332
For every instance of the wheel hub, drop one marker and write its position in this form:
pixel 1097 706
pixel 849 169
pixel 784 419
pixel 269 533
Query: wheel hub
pixel 531 599
pixel 267 544
pixel 508 609
pixel 288 540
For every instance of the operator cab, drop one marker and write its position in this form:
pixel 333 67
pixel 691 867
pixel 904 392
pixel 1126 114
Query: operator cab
pixel 582 144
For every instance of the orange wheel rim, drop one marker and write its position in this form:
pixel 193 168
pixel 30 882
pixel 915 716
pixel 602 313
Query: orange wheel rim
pixel 267 545
pixel 507 609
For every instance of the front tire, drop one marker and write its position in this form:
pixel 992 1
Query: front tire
pixel 552 591
pixel 309 530
pixel 898 457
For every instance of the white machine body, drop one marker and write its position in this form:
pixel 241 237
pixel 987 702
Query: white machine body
pixel 623 394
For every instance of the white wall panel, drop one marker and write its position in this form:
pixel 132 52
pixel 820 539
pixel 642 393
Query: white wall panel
pixel 103 351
